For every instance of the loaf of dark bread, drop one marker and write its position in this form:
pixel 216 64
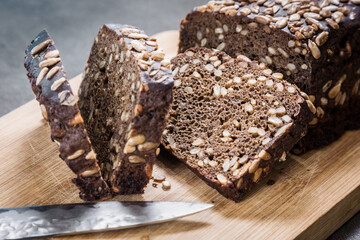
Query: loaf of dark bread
pixel 124 100
pixel 230 121
pixel 59 108
pixel 316 44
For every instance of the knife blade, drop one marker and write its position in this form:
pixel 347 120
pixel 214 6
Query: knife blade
pixel 52 220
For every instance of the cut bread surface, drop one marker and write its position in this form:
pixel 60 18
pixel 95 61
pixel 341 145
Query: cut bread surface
pixel 230 121
pixel 124 99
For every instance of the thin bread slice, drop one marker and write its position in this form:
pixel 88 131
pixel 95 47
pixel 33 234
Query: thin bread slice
pixel 124 99
pixel 59 108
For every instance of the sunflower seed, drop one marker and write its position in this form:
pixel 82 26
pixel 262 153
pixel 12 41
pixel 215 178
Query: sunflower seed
pixel 254 165
pixel 338 16
pixel 52 54
pixel 281 23
pixel 226 165
pixel 198 142
pixel 194 151
pixel 314 49
pixel 257 175
pixel 40 47
pixel 137 45
pixel 332 23
pixel 249 108
pixel 262 19
pixel 218 72
pixel 321 38
pixel 216 90
pixel 147 146
pixel 222 179
pixel 266 141
pixel 203 42
pixel 221 46
pixel 136 140
pixel 158 55
pixel 275 121
pixel 151 43
pixel 286 118
pixel 41 75
pixel 136 159
pixel 188 90
pixel 89 173
pixel 183 68
pixel 129 149
pixel 311 106
pixel 239 28
pixel 304 67
pixel 334 91
pixel 245 11
pixel 199 35
pixel 57 84
pixel 49 62
pixel 294 17
pixel 138 36
pixel 52 72
pixel 127 31
pixel 253 130
pixel 166 185
pixel 291 67
pixel 90 155
pixel 43 111
pixel 283 129
pixel 76 154
pixel 285 54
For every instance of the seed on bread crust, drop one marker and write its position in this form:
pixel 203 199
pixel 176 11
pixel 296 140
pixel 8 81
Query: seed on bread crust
pixel 49 62
pixel 76 154
pixel 41 46
pixel 41 75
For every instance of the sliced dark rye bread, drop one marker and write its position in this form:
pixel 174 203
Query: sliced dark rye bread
pixel 230 121
pixel 124 100
pixel 315 43
pixel 59 108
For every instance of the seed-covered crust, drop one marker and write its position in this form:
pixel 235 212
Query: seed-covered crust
pixel 230 121
pixel 59 108
pixel 124 98
pixel 315 43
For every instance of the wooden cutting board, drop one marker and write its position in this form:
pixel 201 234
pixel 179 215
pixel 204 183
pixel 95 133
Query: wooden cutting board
pixel 313 194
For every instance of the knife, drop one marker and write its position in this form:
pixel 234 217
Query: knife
pixel 51 220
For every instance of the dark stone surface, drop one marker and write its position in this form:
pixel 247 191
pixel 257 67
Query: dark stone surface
pixel 73 25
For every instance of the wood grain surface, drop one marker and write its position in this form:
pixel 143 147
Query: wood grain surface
pixel 313 194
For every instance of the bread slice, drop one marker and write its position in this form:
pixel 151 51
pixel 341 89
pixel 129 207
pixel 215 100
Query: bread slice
pixel 230 121
pixel 59 108
pixel 124 100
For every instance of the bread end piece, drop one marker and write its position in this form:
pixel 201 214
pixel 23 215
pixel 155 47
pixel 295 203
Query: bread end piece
pixel 59 108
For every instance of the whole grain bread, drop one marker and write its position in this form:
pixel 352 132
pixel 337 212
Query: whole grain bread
pixel 316 44
pixel 124 100
pixel 59 108
pixel 230 120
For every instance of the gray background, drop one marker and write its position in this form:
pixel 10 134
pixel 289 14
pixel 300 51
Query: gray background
pixel 73 25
